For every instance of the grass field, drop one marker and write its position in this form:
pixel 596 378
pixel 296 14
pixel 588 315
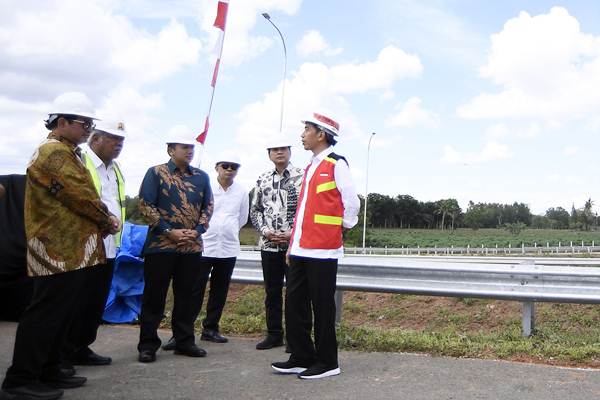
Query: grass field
pixel 457 238
pixel 476 238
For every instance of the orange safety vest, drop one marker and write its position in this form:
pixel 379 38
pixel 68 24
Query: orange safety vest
pixel 324 210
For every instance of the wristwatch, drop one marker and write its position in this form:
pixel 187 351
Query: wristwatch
pixel 166 231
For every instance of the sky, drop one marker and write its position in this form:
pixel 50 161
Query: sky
pixel 468 101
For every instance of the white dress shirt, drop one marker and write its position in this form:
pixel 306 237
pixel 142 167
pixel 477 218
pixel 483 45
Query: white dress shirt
pixel 109 196
pixel 222 239
pixel 345 185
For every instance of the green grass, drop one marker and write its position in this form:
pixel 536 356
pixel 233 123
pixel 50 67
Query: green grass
pixel 476 238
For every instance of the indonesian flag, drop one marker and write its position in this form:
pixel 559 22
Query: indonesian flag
pixel 220 22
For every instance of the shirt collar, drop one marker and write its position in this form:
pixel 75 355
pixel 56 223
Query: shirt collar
pixel 288 169
pixel 96 160
pixel 321 156
pixel 172 167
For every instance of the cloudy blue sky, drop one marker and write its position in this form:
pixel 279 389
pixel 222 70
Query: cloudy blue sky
pixel 469 101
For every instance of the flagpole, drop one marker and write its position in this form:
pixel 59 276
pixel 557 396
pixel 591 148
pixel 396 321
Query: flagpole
pixel 214 86
pixel 220 23
pixel 268 18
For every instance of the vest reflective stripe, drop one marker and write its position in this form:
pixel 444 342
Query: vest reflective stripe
pixel 328 219
pixel 120 188
pixel 323 187
pixel 331 160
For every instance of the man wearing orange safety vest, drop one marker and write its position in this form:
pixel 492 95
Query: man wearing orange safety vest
pixel 328 204
pixel 105 143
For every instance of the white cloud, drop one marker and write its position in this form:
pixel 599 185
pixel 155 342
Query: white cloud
pixel 546 67
pixel 412 114
pixel 54 46
pixel 571 150
pixel 313 43
pixel 517 131
pixel 318 87
pixel 492 151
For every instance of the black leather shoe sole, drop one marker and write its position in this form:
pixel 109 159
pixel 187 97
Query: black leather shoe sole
pixel 146 357
pixel 23 392
pixel 67 382
pixel 170 345
pixel 214 339
pixel 269 344
pixel 92 360
pixel 197 352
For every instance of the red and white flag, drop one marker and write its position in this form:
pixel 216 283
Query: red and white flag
pixel 220 22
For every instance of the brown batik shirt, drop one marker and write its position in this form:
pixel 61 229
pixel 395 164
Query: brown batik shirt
pixel 65 219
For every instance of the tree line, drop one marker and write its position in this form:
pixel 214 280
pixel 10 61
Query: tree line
pixel 404 211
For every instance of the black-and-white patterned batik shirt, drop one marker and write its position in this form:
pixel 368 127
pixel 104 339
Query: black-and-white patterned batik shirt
pixel 274 203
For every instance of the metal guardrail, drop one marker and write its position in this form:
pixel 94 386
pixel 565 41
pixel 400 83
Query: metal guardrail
pixel 540 250
pixel 527 281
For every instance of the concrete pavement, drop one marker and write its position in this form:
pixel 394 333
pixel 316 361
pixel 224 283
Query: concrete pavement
pixel 237 371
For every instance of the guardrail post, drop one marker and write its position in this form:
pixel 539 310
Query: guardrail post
pixel 528 319
pixel 528 322
pixel 339 299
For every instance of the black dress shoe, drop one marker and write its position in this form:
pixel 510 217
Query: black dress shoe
pixel 66 368
pixel 170 345
pixel 88 357
pixel 147 356
pixel 37 391
pixel 269 342
pixel 66 382
pixel 213 336
pixel 191 351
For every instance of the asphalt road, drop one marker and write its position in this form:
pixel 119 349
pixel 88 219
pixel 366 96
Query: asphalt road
pixel 237 371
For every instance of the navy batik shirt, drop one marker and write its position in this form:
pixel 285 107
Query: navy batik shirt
pixel 174 199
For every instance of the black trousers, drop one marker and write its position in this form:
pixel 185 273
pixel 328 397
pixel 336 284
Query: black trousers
pixel 158 270
pixel 311 286
pixel 274 270
pixel 44 326
pixel 84 328
pixel 220 270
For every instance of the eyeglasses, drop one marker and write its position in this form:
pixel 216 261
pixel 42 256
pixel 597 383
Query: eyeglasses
pixel 233 167
pixel 87 126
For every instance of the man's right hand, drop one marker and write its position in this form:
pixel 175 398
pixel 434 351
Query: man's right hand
pixel 177 235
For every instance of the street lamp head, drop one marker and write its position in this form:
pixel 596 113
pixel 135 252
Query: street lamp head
pixel 266 15
pixel 373 133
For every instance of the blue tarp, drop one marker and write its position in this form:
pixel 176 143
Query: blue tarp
pixel 125 297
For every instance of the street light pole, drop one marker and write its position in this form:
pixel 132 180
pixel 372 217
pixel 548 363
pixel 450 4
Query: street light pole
pixel 268 18
pixel 366 195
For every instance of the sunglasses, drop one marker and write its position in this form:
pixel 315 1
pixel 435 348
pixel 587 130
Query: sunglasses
pixel 87 126
pixel 233 167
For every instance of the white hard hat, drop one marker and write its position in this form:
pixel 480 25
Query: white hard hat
pixel 72 103
pixel 114 128
pixel 279 142
pixel 324 122
pixel 229 157
pixel 181 140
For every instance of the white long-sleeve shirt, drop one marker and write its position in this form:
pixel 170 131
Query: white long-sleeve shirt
pixel 222 239
pixel 109 196
pixel 345 185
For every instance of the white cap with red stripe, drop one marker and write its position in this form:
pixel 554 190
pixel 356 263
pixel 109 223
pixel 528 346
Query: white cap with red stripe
pixel 324 122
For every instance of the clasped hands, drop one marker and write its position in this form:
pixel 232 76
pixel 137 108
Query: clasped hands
pixel 279 238
pixel 183 237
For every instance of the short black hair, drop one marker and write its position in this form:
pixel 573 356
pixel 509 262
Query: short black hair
pixel 52 120
pixel 330 138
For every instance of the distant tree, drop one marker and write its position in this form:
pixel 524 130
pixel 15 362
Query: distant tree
pixel 558 218
pixel 447 207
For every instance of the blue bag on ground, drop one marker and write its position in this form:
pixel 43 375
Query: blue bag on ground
pixel 124 300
